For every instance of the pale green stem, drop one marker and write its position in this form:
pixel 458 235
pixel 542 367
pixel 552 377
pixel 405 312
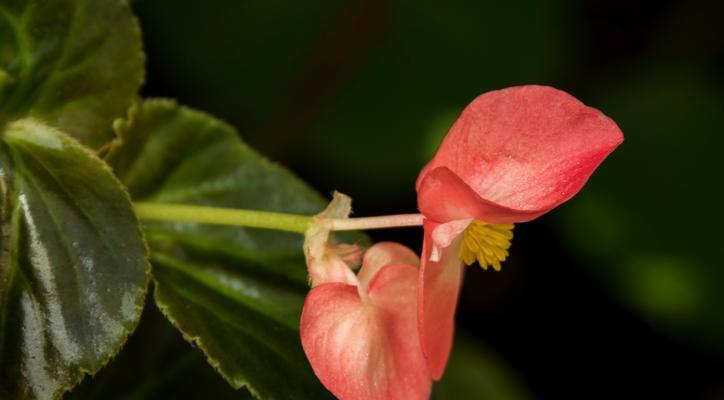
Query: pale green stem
pixel 223 216
pixel 265 219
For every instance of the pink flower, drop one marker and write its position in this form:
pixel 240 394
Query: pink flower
pixel 360 333
pixel 511 156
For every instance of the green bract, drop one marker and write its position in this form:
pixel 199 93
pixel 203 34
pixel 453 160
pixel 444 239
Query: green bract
pixel 235 292
pixel 74 64
pixel 72 262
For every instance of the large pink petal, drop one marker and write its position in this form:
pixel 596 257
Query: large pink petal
pixel 367 349
pixel 442 196
pixel 437 299
pixel 518 153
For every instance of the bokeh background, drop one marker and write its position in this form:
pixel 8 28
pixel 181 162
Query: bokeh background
pixel 618 293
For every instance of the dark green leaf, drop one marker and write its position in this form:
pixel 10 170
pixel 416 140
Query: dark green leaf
pixel 74 64
pixel 156 364
pixel 236 293
pixel 73 268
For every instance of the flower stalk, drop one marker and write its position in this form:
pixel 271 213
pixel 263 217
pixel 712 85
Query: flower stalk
pixel 266 219
pixel 381 222
pixel 223 216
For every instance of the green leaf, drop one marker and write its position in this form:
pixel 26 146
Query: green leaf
pixel 73 268
pixel 475 372
pixel 236 293
pixel 74 64
pixel 157 363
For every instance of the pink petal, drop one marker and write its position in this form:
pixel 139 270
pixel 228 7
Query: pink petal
pixel 517 153
pixel 382 254
pixel 442 196
pixel 437 299
pixel 444 234
pixel 367 349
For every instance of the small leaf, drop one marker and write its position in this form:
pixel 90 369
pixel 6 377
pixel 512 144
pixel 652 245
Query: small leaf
pixel 73 268
pixel 236 293
pixel 73 64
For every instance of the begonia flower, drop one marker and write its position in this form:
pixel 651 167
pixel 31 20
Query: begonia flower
pixel 361 336
pixel 511 156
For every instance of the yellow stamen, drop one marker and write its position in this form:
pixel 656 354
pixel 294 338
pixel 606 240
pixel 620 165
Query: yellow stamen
pixel 486 243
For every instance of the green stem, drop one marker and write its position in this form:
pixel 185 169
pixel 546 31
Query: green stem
pixel 266 219
pixel 223 216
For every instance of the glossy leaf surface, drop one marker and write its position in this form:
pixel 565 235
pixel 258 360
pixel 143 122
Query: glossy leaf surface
pixel 73 267
pixel 236 293
pixel 74 64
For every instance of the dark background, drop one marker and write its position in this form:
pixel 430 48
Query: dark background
pixel 618 293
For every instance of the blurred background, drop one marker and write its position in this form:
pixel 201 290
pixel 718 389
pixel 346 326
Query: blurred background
pixel 617 294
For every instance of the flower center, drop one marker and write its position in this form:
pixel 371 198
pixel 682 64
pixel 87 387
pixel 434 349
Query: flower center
pixel 486 243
